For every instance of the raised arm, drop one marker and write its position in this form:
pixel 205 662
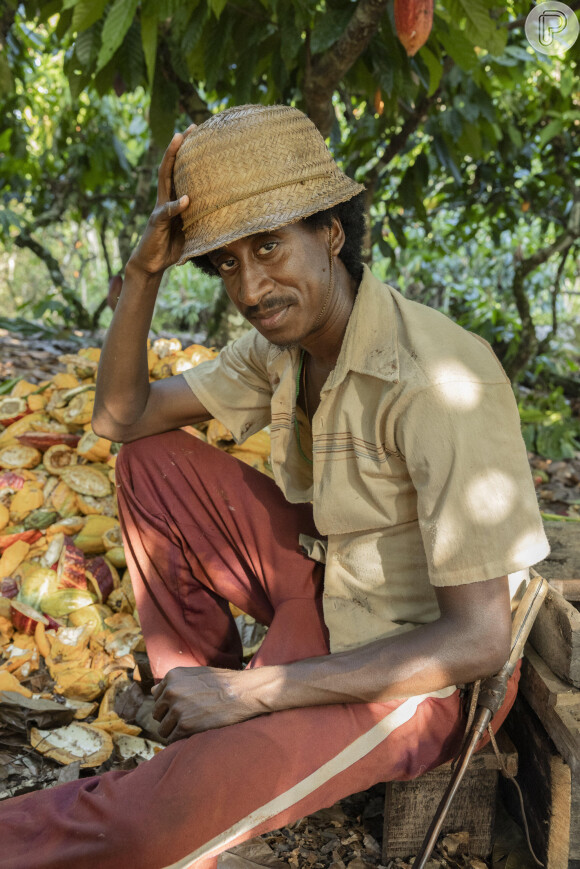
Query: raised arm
pixel 127 406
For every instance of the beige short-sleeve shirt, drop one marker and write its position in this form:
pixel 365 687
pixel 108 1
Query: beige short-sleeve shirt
pixel 420 475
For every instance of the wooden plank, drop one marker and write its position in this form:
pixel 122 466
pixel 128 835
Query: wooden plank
pixel 556 637
pixel 545 781
pixel 556 705
pixel 564 558
pixel 568 588
pixel 411 805
pixel 575 819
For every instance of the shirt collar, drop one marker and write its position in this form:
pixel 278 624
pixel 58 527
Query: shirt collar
pixel 370 341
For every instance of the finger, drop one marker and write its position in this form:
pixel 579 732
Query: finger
pixel 164 214
pixel 167 726
pixel 165 170
pixel 160 708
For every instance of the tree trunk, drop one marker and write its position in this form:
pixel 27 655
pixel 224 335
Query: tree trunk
pixel 82 318
pixel 142 203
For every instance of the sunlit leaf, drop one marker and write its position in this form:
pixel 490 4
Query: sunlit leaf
pixel 149 40
pixel 117 23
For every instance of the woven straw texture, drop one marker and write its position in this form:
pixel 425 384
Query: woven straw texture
pixel 252 169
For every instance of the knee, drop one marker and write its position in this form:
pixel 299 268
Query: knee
pixel 151 451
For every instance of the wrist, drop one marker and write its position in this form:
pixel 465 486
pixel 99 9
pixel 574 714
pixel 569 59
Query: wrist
pixel 262 690
pixel 135 272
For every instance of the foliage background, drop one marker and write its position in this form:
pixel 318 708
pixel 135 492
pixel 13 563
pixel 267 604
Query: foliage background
pixel 470 153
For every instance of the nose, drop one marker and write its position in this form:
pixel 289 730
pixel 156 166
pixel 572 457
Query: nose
pixel 254 283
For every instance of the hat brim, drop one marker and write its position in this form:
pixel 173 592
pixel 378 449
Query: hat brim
pixel 266 211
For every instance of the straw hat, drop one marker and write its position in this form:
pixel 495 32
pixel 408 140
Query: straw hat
pixel 252 169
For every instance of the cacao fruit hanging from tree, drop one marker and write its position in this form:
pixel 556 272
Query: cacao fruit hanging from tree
pixel 413 23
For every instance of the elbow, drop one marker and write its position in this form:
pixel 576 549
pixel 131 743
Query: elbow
pixel 105 427
pixel 493 652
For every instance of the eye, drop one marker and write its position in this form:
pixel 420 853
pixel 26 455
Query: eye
pixel 268 247
pixel 227 265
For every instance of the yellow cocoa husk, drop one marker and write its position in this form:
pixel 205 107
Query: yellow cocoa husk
pixel 12 557
pixel 64 500
pixel 93 448
pixel 37 402
pixel 90 538
pixel 4 516
pixel 30 497
pixel 9 682
pixel 23 388
pixel 63 380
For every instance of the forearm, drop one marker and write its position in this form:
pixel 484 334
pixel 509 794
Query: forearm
pixel 470 639
pixel 123 377
pixel 423 660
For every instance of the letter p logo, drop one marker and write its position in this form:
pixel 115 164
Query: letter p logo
pixel 552 27
pixel 551 22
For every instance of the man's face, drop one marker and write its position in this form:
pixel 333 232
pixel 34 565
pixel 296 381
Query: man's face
pixel 278 280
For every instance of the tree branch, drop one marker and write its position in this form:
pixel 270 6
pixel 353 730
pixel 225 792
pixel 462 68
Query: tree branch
pixel 528 341
pixel 554 293
pixel 325 71
pixel 24 240
pixel 103 239
pixel 140 207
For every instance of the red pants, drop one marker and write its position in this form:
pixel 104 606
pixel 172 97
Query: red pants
pixel 202 529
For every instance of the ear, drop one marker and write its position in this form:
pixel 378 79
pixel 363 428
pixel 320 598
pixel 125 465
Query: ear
pixel 337 236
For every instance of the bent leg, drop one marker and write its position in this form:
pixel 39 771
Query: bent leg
pixel 202 529
pixel 203 794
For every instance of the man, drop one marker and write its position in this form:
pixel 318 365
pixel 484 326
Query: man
pixel 402 501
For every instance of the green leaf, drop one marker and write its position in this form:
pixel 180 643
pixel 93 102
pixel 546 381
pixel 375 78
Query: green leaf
pixel 327 29
pixel 459 49
pixel 86 46
pixel 218 6
pixel 291 40
pixel 86 13
pixel 515 136
pixel 117 24
pixel 479 22
pixel 130 62
pixel 470 141
pixel 434 67
pixel 6 80
pixel 5 137
pixel 217 47
pixel 451 122
pixel 149 41
pixel 163 109
pixel 548 133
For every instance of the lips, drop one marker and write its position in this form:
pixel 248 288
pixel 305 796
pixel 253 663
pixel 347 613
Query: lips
pixel 270 319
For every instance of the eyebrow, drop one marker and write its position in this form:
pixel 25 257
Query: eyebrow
pixel 257 235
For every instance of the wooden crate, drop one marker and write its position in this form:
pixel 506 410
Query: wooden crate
pixel 568 588
pixel 556 637
pixel 411 805
pixel 544 778
pixel 557 706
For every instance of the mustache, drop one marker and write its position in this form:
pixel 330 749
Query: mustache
pixel 269 304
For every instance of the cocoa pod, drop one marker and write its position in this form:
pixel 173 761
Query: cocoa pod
pixel 413 23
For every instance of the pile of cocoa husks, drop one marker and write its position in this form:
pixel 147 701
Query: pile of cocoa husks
pixel 70 637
